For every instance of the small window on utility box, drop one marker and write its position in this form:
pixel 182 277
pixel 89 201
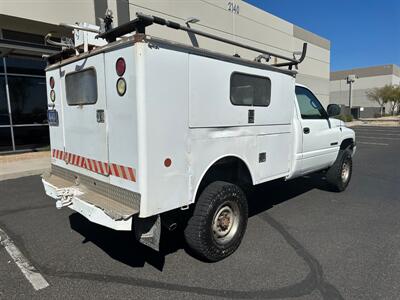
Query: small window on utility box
pixel 81 87
pixel 250 90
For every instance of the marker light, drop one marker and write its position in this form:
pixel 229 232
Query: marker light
pixel 120 66
pixel 167 162
pixel 121 86
pixel 52 95
pixel 52 82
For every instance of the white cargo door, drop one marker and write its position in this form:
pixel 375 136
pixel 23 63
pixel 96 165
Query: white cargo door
pixel 85 119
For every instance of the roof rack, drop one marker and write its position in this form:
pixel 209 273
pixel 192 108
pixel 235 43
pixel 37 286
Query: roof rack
pixel 142 21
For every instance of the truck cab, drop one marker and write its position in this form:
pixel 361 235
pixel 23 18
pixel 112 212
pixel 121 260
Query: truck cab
pixel 147 134
pixel 322 134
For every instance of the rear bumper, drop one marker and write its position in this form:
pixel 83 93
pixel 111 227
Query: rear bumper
pixel 101 204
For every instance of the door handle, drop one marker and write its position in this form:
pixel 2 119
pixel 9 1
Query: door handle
pixel 306 130
pixel 100 115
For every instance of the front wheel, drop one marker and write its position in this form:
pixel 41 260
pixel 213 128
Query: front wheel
pixel 219 221
pixel 339 174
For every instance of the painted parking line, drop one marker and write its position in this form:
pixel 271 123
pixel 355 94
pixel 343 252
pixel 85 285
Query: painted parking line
pixel 30 272
pixel 385 134
pixel 368 143
pixel 377 137
pixel 380 131
pixel 397 130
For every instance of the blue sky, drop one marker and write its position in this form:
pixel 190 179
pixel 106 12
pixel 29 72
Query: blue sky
pixel 362 32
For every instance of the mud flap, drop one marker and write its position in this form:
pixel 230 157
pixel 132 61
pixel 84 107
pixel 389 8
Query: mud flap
pixel 148 231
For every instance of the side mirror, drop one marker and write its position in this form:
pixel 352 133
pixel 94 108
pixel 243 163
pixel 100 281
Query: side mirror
pixel 333 110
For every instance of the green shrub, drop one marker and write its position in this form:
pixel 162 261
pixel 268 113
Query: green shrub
pixel 349 118
pixel 377 115
pixel 345 118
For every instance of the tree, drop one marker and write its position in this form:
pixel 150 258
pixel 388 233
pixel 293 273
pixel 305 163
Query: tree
pixel 376 95
pixel 389 94
pixel 392 95
pixel 396 93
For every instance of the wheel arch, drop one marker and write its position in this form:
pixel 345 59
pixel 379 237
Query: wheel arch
pixel 347 143
pixel 216 166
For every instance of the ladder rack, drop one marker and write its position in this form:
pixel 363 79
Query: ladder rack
pixel 142 21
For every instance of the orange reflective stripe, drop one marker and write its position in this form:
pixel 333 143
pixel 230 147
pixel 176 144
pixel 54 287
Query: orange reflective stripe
pixel 96 166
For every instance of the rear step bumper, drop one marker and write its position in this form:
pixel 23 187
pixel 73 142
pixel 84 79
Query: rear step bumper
pixel 92 200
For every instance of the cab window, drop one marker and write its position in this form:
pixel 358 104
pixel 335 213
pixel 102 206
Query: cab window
pixel 310 107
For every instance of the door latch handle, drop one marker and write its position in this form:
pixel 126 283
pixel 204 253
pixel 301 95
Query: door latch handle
pixel 251 116
pixel 100 116
pixel 306 130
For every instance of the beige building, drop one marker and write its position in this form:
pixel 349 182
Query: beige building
pixel 365 79
pixel 23 25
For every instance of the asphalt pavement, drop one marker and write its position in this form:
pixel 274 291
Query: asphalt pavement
pixel 302 242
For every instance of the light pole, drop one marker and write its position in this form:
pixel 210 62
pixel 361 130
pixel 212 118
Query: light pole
pixel 350 80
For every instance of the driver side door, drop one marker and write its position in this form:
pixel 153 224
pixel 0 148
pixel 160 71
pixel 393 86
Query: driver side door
pixel 320 141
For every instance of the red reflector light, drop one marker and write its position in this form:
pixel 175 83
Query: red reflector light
pixel 120 66
pixel 167 162
pixel 52 82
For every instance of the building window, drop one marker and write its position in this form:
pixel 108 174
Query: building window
pixel 5 129
pixel 23 37
pixel 26 128
pixel 5 139
pixel 25 66
pixel 28 99
pixel 31 137
pixel 4 117
pixel 250 90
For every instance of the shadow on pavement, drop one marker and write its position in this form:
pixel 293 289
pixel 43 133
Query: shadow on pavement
pixel 264 196
pixel 122 246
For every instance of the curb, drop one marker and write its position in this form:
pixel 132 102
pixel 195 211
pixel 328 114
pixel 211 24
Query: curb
pixel 22 174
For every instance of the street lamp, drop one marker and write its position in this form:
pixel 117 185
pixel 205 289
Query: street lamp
pixel 350 80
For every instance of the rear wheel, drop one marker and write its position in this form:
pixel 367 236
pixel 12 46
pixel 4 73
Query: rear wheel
pixel 339 174
pixel 219 221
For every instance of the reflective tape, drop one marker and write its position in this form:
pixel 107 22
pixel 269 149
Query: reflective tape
pixel 96 166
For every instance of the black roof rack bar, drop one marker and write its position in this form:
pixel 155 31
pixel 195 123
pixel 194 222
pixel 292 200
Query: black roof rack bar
pixel 299 61
pixel 142 21
pixel 137 25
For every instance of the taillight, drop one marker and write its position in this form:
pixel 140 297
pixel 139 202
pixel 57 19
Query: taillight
pixel 52 95
pixel 120 66
pixel 52 82
pixel 52 92
pixel 121 86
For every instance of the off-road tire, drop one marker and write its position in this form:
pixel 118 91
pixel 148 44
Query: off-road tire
pixel 199 233
pixel 334 175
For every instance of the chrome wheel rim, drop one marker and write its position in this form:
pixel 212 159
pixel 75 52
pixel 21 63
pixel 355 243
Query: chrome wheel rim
pixel 225 222
pixel 345 172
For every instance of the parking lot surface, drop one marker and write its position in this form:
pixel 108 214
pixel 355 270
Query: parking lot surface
pixel 302 241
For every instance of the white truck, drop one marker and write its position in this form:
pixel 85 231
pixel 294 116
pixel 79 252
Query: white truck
pixel 144 130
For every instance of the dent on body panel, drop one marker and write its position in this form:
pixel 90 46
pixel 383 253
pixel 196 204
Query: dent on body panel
pixel 208 146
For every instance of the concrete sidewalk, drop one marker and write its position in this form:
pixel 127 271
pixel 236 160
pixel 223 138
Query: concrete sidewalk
pixel 23 164
pixel 391 121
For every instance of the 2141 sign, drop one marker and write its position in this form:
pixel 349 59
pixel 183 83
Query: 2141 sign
pixel 234 7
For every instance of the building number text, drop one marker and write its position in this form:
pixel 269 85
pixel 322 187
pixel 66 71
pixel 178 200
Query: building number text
pixel 233 7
